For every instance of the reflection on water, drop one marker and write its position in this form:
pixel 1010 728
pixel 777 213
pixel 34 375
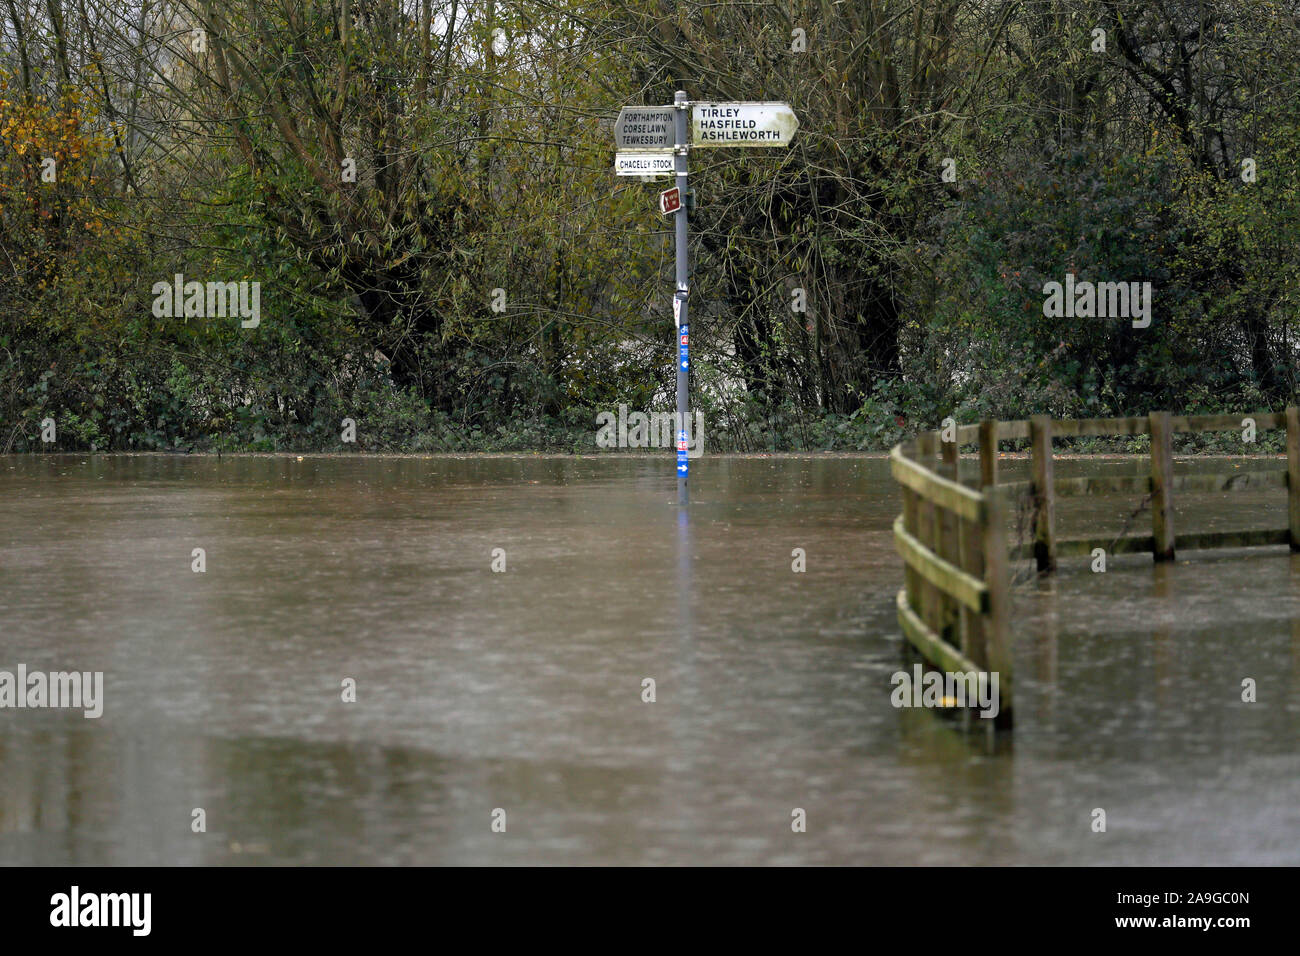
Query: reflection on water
pixel 523 690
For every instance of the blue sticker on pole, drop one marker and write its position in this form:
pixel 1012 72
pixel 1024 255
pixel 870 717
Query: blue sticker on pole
pixel 681 452
pixel 683 338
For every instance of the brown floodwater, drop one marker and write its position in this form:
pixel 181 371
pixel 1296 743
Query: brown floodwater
pixel 521 690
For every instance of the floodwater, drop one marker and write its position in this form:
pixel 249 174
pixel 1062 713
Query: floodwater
pixel 521 691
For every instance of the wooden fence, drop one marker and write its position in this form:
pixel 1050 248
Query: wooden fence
pixel 952 534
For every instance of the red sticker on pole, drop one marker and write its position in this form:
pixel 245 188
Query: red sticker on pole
pixel 670 200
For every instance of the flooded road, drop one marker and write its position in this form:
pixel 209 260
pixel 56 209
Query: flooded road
pixel 521 689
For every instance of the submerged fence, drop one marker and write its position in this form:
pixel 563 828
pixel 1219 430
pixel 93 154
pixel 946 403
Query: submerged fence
pixel 952 534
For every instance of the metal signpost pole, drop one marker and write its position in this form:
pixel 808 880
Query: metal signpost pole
pixel 681 295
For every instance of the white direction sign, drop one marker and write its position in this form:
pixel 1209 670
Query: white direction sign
pixel 643 164
pixel 644 127
pixel 742 124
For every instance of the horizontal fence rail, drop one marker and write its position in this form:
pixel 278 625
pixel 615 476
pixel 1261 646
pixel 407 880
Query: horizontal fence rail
pixel 952 538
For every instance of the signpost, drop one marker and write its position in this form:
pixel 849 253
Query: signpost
pixel 681 104
pixel 655 141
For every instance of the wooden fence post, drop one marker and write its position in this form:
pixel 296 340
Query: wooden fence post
pixel 996 638
pixel 911 579
pixel 988 453
pixel 1293 474
pixel 956 614
pixel 1040 436
pixel 951 454
pixel 971 548
pixel 925 531
pixel 1162 476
